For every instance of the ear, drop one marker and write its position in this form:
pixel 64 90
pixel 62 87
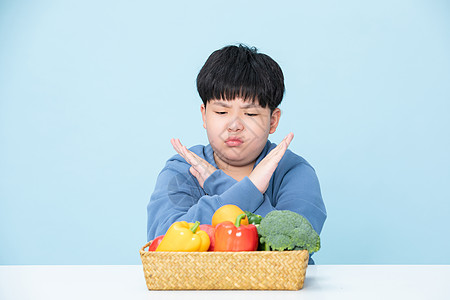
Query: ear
pixel 203 110
pixel 274 119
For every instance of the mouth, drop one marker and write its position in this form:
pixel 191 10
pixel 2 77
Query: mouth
pixel 233 141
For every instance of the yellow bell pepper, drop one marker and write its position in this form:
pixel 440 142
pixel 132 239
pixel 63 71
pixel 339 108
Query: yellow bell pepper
pixel 184 237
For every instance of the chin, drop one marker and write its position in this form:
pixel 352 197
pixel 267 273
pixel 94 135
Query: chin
pixel 236 160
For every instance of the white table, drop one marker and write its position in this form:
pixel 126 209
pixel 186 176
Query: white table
pixel 322 282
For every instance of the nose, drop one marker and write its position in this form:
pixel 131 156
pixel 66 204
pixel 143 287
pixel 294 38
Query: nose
pixel 236 124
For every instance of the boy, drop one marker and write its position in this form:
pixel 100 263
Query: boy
pixel 241 90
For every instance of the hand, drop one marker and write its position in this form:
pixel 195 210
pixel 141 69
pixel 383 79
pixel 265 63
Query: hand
pixel 200 168
pixel 262 173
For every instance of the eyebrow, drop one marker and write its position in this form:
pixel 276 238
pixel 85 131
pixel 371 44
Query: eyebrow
pixel 224 104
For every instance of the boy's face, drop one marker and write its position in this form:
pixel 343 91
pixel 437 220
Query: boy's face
pixel 238 130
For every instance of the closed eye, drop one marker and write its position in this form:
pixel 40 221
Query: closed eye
pixel 252 115
pixel 221 112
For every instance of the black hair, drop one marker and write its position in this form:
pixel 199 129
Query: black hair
pixel 240 71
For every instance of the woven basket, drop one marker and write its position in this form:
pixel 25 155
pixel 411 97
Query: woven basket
pixel 247 270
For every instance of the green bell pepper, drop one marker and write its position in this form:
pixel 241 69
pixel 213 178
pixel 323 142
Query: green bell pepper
pixel 253 218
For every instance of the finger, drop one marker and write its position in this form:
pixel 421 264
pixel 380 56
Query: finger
pixel 288 139
pixel 278 152
pixel 278 148
pixel 201 165
pixel 197 175
pixel 176 145
pixel 191 157
pixel 194 172
pixel 194 156
pixel 182 150
pixel 188 156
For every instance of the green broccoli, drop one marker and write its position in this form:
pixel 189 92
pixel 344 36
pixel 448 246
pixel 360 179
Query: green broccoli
pixel 286 230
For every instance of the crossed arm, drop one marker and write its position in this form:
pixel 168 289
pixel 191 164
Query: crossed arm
pixel 260 176
pixel 176 196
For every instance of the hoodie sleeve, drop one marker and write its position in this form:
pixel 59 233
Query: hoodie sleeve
pixel 298 190
pixel 179 197
pixel 218 182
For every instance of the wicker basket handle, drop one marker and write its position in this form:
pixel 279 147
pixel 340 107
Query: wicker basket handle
pixel 146 245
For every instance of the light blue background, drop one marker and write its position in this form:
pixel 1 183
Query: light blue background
pixel 92 91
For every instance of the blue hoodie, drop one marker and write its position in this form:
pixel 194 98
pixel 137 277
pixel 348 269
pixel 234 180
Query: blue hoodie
pixel 179 197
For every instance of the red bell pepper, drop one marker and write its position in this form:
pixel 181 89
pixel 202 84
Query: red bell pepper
pixel 236 237
pixel 155 243
pixel 210 230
